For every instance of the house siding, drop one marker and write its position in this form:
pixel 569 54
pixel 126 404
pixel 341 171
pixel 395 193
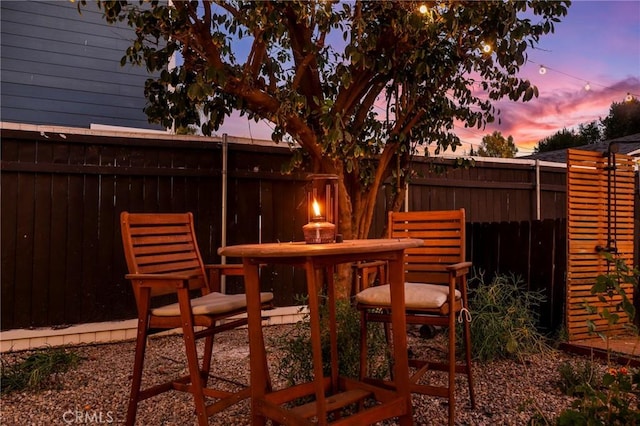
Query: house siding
pixel 60 67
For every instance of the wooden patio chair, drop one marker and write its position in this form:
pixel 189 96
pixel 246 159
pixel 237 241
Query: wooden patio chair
pixel 435 294
pixel 163 258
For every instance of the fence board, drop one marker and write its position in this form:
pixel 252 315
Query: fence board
pixel 514 248
pixel 74 250
pixel 542 263
pixel 41 245
pixel 8 233
pixel 23 278
pixel 59 211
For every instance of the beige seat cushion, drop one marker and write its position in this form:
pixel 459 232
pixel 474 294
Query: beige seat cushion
pixel 211 304
pixel 416 295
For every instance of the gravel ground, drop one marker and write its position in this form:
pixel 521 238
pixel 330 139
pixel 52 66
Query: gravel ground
pixel 96 391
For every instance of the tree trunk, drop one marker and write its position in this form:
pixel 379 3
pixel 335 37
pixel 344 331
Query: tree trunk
pixel 350 219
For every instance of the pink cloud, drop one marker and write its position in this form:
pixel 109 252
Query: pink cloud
pixel 554 110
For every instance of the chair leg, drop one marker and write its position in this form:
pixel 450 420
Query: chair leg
pixel 195 374
pixel 387 337
pixel 138 365
pixel 363 345
pixel 452 369
pixel 189 337
pixel 206 359
pixel 467 345
pixel 136 382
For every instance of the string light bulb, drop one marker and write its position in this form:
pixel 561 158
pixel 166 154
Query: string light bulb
pixel 629 97
pixel 427 12
pixel 486 47
pixel 542 70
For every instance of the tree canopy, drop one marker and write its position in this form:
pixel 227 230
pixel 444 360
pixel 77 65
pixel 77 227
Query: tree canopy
pixel 495 145
pixel 566 138
pixel 623 119
pixel 359 86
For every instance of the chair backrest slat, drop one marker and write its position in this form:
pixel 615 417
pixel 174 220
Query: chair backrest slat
pixel 443 233
pixel 162 243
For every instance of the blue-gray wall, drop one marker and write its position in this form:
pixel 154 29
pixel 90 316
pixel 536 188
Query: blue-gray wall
pixel 59 67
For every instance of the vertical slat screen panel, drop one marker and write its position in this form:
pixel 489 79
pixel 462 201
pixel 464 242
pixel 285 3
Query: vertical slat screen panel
pixel 600 208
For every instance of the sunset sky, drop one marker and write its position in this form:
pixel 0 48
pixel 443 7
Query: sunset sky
pixel 598 43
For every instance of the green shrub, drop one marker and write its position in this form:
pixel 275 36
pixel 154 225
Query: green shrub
pixel 37 371
pixel 504 319
pixel 296 362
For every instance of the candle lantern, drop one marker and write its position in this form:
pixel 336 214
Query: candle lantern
pixel 322 208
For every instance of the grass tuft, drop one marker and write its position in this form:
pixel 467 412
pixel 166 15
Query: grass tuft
pixel 37 371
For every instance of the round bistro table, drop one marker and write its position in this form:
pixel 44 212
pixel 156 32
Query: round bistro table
pixel 333 392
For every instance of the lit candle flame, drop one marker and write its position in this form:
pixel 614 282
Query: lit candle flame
pixel 316 208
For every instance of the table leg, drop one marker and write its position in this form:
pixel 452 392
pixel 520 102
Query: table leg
pixel 333 328
pixel 316 343
pixel 259 381
pixel 399 325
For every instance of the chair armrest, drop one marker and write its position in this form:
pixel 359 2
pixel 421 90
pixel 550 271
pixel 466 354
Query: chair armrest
pixel 364 270
pixel 227 269
pixel 363 265
pixel 458 269
pixel 173 280
pixel 169 276
pixel 216 271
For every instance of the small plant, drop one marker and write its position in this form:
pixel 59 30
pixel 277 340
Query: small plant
pixel 296 365
pixel 37 371
pixel 608 287
pixel 574 379
pixel 611 403
pixel 504 319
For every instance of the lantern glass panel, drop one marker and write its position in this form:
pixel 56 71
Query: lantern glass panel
pixel 322 208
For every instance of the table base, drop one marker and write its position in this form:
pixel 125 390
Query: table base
pixel 367 403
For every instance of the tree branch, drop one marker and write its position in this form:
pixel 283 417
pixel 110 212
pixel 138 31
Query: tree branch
pixel 307 77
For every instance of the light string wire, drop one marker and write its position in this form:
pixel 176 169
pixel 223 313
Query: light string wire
pixel 545 68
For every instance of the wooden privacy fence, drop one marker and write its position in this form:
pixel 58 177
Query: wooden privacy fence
pixel 533 252
pixel 62 194
pixel 63 190
pixel 601 204
pixel 496 190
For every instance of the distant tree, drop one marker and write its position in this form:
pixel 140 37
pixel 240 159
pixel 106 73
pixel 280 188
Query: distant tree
pixel 187 130
pixel 623 119
pixel 495 145
pixel 561 139
pixel 586 134
pixel 590 132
